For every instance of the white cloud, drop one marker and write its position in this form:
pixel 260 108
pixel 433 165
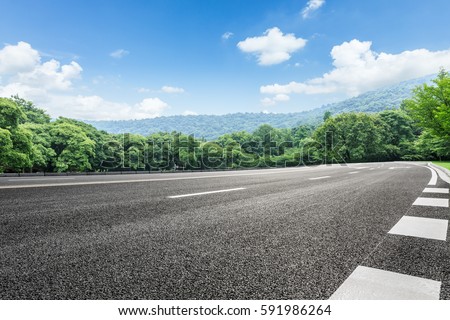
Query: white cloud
pixel 88 108
pixel 21 67
pixel 50 86
pixel 227 35
pixel 312 6
pixel 190 113
pixel 18 58
pixel 266 102
pixel 273 47
pixel 272 101
pixel 143 90
pixel 23 73
pixel 150 108
pixel 97 108
pixel 357 69
pixel 50 75
pixel 119 53
pixel 168 89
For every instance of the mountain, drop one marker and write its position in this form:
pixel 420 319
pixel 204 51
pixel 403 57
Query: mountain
pixel 212 126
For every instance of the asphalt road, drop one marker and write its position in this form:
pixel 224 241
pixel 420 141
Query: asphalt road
pixel 263 234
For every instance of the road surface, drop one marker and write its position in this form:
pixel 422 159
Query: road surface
pixel 339 232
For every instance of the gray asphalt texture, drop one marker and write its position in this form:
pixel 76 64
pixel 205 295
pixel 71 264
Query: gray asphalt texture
pixel 283 237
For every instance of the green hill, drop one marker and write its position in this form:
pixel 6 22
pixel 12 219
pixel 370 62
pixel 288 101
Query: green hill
pixel 212 126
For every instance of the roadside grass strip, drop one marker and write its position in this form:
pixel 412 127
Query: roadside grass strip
pixel 421 227
pixel 374 284
pixel 431 202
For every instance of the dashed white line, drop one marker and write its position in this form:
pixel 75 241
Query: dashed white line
pixel 431 202
pixel 203 193
pixel 436 190
pixel 353 172
pixel 421 228
pixel 374 284
pixel 319 178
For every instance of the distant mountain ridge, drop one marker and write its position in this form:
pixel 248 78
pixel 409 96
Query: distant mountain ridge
pixel 212 126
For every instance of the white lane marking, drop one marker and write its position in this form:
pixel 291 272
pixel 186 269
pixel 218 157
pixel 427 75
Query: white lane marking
pixel 150 180
pixel 353 172
pixel 202 193
pixel 361 167
pixel 431 202
pixel 374 284
pixel 442 175
pixel 436 190
pixel 39 179
pixel 372 169
pixel 318 178
pixel 421 228
pixel 433 179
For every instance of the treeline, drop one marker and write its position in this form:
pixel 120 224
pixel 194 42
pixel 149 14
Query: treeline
pixel 419 130
pixel 211 127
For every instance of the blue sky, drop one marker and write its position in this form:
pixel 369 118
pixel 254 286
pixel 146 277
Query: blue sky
pixel 140 59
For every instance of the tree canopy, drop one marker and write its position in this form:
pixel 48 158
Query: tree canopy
pixel 31 141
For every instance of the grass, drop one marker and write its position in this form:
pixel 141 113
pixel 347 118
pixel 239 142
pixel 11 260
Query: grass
pixel 445 164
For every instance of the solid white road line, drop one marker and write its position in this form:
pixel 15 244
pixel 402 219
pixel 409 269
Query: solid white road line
pixel 433 179
pixel 421 228
pixel 436 190
pixel 442 175
pixel 431 202
pixel 81 183
pixel 39 179
pixel 318 178
pixel 374 284
pixel 202 193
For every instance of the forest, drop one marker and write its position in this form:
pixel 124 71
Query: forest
pixel 212 127
pixel 419 130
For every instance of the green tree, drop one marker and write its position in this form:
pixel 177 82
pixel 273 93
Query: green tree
pixel 32 113
pixel 349 137
pixel 326 115
pixel 11 115
pixel 398 134
pixel 430 109
pixel 6 149
pixel 430 105
pixel 42 152
pixel 73 148
pixel 16 146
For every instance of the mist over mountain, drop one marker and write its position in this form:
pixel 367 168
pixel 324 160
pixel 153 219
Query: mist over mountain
pixel 212 126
